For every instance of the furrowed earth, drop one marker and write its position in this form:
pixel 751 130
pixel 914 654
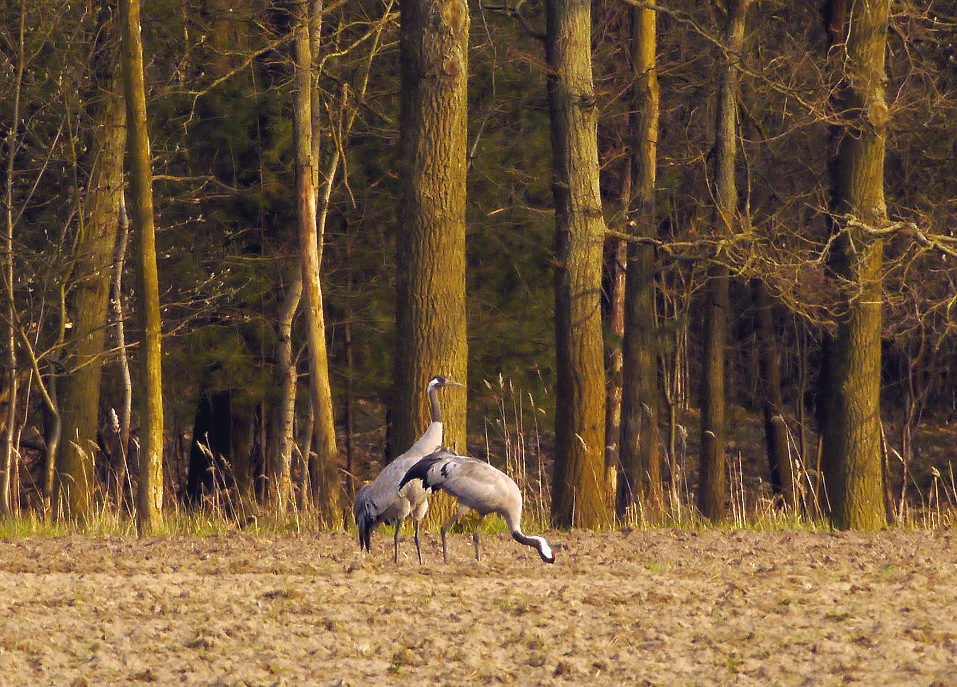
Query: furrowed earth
pixel 657 607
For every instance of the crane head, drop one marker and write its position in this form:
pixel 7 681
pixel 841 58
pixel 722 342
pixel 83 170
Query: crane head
pixel 438 381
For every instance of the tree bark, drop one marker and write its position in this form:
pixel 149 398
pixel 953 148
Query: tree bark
pixel 640 480
pixel 282 438
pixel 783 478
pixel 578 495
pixel 851 427
pixel 712 479
pixel 10 333
pixel 324 470
pixel 88 308
pixel 430 287
pixel 150 495
pixel 124 486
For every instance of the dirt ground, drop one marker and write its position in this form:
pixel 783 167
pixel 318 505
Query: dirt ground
pixel 657 607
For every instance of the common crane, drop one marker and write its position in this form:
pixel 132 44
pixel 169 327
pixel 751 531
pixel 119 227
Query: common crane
pixel 384 500
pixel 478 486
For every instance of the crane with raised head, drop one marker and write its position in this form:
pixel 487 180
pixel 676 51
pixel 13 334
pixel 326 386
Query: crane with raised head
pixel 477 486
pixel 384 499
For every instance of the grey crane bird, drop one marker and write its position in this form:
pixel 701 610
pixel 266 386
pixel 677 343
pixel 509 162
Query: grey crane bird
pixel 384 500
pixel 478 486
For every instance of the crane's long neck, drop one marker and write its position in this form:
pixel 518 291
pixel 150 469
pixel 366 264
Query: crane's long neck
pixel 537 543
pixel 434 400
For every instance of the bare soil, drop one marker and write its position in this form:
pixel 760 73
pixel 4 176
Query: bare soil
pixel 657 607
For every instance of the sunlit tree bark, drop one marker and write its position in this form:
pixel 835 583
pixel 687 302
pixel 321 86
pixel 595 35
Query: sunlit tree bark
pixel 324 469
pixel 851 427
pixel 430 287
pixel 640 454
pixel 578 495
pixel 88 303
pixel 150 494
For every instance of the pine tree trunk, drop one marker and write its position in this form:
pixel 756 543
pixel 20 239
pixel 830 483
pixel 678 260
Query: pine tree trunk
pixel 430 289
pixel 640 446
pixel 325 469
pixel 150 496
pixel 578 495
pixel 712 480
pixel 851 431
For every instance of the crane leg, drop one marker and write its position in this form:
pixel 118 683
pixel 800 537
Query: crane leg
pixel 445 528
pixel 475 536
pixel 398 525
pixel 418 547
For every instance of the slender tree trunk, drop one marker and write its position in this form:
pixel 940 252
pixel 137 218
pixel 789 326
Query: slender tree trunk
pixel 325 476
pixel 851 428
pixel 712 480
pixel 282 442
pixel 783 477
pixel 640 445
pixel 615 266
pixel 430 288
pixel 578 496
pixel 150 496
pixel 124 494
pixel 9 431
pixel 88 306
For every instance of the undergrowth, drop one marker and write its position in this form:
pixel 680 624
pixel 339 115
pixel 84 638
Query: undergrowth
pixel 514 441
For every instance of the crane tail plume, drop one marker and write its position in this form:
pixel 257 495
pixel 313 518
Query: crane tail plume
pixel 421 471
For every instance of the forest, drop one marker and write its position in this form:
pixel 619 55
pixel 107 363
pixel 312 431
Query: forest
pixel 691 260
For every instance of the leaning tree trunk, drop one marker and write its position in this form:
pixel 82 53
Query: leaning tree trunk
pixel 712 480
pixel 578 496
pixel 640 480
pixel 851 431
pixel 88 306
pixel 324 470
pixel 150 495
pixel 430 289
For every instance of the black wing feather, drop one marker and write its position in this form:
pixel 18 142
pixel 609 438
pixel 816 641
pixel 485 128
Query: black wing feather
pixel 421 470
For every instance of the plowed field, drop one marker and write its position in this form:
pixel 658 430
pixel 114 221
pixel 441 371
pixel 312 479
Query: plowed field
pixel 657 607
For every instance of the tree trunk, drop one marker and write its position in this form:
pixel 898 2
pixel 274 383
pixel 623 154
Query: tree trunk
pixel 640 445
pixel 150 496
pixel 851 431
pixel 325 472
pixel 783 478
pixel 430 288
pixel 282 439
pixel 616 259
pixel 10 334
pixel 124 486
pixel 88 308
pixel 578 496
pixel 712 480
pixel 209 473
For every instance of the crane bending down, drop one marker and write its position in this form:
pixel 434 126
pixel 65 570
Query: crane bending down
pixel 384 499
pixel 478 486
